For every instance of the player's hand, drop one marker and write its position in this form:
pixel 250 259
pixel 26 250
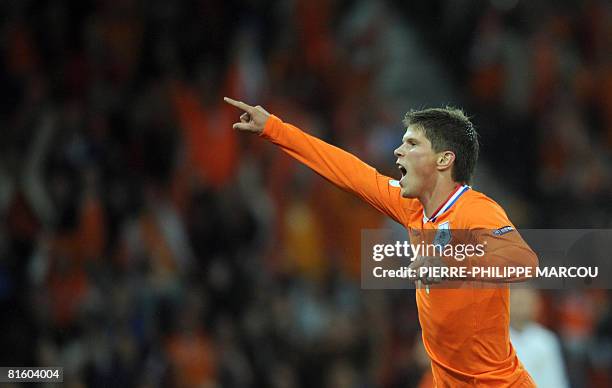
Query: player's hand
pixel 426 262
pixel 252 120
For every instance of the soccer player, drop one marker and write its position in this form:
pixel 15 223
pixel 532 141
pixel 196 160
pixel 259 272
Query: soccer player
pixel 465 330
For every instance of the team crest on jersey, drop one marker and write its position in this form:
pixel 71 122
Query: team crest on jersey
pixel 443 235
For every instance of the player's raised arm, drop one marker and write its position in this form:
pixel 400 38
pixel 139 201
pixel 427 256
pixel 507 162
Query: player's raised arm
pixel 253 119
pixel 338 166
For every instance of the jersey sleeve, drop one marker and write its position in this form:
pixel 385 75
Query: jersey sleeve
pixel 341 168
pixel 487 224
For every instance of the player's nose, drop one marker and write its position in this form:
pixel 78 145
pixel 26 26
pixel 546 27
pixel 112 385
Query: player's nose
pixel 398 152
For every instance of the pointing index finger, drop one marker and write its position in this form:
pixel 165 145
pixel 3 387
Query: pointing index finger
pixel 238 104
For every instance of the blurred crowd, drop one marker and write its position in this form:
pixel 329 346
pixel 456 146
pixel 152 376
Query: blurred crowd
pixel 145 243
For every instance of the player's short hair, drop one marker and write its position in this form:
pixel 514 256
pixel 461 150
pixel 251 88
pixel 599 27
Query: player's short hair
pixel 449 129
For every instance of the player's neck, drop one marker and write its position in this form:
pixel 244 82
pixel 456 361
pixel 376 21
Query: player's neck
pixel 433 199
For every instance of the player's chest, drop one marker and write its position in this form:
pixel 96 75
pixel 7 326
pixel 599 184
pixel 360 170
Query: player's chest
pixel 438 232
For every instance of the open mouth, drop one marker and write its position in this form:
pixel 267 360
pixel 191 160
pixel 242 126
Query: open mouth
pixel 402 169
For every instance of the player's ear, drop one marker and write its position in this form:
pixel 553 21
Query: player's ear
pixel 445 159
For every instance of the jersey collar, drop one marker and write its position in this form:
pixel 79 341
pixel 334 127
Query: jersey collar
pixel 458 192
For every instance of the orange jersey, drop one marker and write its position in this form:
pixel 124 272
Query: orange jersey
pixel 465 330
